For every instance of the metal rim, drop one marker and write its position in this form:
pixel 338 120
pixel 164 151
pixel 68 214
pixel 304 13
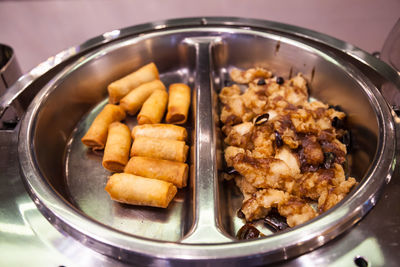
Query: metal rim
pixel 54 207
pixel 43 68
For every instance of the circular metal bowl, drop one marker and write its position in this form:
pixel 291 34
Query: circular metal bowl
pixel 66 180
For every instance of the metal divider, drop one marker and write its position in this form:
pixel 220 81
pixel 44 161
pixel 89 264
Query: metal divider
pixel 206 228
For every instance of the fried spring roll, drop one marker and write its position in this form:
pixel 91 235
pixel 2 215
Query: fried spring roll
pixel 118 89
pixel 153 108
pixel 159 130
pixel 159 148
pixel 137 190
pixel 166 170
pixel 178 103
pixel 116 152
pixel 133 101
pixel 96 136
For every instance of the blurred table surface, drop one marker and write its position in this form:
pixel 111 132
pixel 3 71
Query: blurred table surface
pixel 40 29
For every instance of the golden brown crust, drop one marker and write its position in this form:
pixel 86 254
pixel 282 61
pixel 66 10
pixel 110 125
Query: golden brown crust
pixel 159 148
pixel 247 76
pixel 134 100
pixel 116 152
pixel 160 130
pixel 153 108
pixel 159 151
pixel 136 190
pixel 96 135
pixel 120 88
pixel 166 170
pixel 178 103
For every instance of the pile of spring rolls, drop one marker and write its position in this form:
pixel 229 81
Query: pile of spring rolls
pixel 148 161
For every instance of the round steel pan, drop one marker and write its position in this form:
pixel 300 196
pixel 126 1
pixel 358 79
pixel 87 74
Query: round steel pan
pixel 66 180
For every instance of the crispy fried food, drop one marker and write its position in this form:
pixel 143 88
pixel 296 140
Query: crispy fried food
pixel 249 75
pixel 286 149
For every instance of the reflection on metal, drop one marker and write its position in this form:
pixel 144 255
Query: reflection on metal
pixel 111 35
pixel 369 249
pixel 53 61
pixel 205 229
pixel 9 228
pixel 161 26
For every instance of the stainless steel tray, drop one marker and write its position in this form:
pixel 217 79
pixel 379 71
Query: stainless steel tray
pixel 201 214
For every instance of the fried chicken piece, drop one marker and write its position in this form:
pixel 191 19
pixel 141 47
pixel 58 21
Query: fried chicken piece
pixel 228 92
pixel 245 187
pixel 260 172
pixel 239 135
pixel 335 147
pixel 261 202
pixel 283 173
pixel 230 153
pixel 293 91
pixel 303 121
pixel 290 138
pixel 233 111
pixel 327 186
pixel 249 75
pixel 311 152
pixel 255 99
pixel 241 107
pixel 296 90
pixel 263 141
pixel 300 82
pixel 332 113
pixel 328 199
pixel 267 172
pixel 295 209
pixel 252 210
pixel 290 158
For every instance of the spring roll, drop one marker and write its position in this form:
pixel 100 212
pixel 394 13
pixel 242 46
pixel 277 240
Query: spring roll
pixel 96 136
pixel 178 103
pixel 116 152
pixel 133 101
pixel 166 170
pixel 159 130
pixel 159 148
pixel 120 88
pixel 153 108
pixel 137 190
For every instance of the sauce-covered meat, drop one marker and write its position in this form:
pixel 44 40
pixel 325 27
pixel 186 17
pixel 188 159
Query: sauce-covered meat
pixel 285 150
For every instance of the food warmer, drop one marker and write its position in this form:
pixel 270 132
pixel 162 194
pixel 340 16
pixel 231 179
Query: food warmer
pixel 55 212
